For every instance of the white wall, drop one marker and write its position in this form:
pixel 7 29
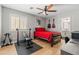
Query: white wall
pixel 30 20
pixel 74 19
pixel 73 13
pixel 51 22
pixel 0 22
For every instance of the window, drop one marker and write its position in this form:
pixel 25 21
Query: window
pixel 17 22
pixel 66 24
pixel 66 27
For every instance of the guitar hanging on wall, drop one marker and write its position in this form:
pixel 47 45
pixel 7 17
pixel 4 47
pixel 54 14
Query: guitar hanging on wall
pixel 53 25
pixel 49 25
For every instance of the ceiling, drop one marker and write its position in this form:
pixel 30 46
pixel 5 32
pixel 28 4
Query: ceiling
pixel 26 8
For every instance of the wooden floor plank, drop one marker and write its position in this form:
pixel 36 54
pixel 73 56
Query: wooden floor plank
pixel 47 49
pixel 8 50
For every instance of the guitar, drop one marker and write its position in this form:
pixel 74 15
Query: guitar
pixel 53 25
pixel 49 25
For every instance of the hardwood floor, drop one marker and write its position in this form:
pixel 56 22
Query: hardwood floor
pixel 8 50
pixel 46 50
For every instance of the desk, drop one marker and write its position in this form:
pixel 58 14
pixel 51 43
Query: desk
pixel 75 35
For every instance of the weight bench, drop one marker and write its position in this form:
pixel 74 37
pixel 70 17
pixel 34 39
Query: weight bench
pixel 28 43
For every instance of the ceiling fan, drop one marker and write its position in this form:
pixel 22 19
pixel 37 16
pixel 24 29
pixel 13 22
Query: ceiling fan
pixel 46 9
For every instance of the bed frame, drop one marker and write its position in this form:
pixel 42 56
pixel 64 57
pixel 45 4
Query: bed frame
pixel 55 39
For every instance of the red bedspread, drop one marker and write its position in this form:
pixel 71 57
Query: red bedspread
pixel 46 34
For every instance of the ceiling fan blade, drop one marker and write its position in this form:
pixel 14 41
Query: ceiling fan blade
pixel 40 12
pixel 39 8
pixel 50 6
pixel 51 10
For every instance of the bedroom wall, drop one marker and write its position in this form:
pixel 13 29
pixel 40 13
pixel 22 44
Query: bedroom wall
pixel 0 23
pixel 72 12
pixel 51 22
pixel 74 15
pixel 30 21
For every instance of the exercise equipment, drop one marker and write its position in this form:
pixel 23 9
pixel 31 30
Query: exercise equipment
pixel 26 37
pixel 28 43
pixel 7 36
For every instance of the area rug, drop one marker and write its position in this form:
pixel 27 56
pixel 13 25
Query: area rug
pixel 65 53
pixel 21 50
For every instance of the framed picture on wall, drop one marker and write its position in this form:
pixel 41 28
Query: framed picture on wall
pixel 39 22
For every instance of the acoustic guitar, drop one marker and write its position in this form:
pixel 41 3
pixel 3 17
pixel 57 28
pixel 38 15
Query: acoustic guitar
pixel 49 25
pixel 53 25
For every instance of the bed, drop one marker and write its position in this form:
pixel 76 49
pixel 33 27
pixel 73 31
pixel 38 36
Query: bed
pixel 44 34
